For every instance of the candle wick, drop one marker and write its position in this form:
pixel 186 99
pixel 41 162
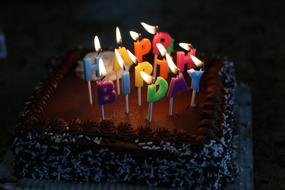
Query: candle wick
pixel 103 78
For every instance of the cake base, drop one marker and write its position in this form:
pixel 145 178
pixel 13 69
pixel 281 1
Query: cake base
pixel 243 140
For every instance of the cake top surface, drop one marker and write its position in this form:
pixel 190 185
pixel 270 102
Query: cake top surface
pixel 69 101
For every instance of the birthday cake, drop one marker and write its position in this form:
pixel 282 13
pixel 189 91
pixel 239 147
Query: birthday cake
pixel 66 133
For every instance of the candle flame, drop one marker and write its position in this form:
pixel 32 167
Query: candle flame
pixel 146 77
pixel 196 61
pixel 171 64
pixel 118 35
pixel 102 69
pixel 97 44
pixel 119 58
pixel 133 57
pixel 135 36
pixel 161 49
pixel 191 70
pixel 186 46
pixel 151 29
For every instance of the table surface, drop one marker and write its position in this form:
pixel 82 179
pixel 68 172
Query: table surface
pixel 243 155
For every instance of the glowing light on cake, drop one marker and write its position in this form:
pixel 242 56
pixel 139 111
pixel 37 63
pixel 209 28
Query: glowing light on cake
pixel 102 68
pixel 171 64
pixel 118 36
pixel 186 46
pixel 97 44
pixel 197 61
pixel 161 49
pixel 134 35
pixel 149 28
pixel 133 57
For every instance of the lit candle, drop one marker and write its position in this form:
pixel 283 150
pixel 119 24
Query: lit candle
pixel 152 94
pixel 195 76
pixel 124 54
pixel 177 84
pixel 185 59
pixel 126 89
pixel 141 46
pixel 147 68
pixel 162 63
pixel 90 68
pixel 105 89
pixel 159 37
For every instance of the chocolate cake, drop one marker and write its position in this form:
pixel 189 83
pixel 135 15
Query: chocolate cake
pixel 60 135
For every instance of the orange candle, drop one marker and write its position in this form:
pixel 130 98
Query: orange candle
pixel 141 46
pixel 163 67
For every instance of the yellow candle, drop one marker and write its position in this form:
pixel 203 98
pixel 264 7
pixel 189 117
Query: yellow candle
pixel 125 56
pixel 144 66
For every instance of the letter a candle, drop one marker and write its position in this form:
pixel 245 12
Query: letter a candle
pixel 90 68
pixel 177 84
pixel 152 94
pixel 105 89
pixel 159 37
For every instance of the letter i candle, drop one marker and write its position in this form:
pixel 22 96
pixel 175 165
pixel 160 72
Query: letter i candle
pixel 126 84
pixel 90 68
pixel 159 37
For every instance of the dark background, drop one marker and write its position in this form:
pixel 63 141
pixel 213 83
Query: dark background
pixel 249 33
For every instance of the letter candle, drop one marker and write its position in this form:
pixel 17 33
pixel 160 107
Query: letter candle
pixel 163 63
pixel 90 68
pixel 147 68
pixel 124 54
pixel 177 84
pixel 126 89
pixel 183 59
pixel 105 89
pixel 195 76
pixel 141 46
pixel 152 94
pixel 159 37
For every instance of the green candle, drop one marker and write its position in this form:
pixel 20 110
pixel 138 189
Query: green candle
pixel 152 94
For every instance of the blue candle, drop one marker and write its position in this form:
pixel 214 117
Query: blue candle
pixel 195 76
pixel 90 68
pixel 126 89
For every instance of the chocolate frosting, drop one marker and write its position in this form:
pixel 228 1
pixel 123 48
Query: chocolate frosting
pixel 126 132
pixel 58 125
pixel 90 128
pixel 145 133
pixel 107 128
pixel 165 134
pixel 75 126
